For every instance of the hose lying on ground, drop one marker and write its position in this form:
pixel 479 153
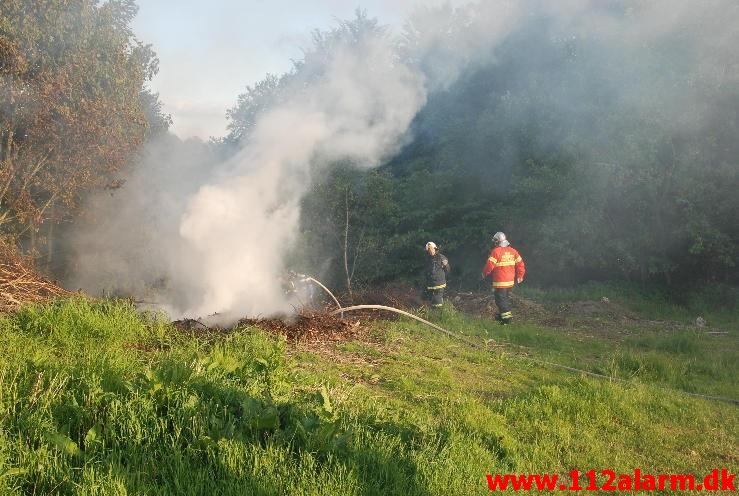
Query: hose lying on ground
pixel 534 360
pixel 408 314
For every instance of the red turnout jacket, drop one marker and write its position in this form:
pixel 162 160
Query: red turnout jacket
pixel 506 265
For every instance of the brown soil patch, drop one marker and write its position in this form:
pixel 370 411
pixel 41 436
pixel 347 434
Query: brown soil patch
pixel 603 309
pixel 397 294
pixel 600 314
pixel 483 304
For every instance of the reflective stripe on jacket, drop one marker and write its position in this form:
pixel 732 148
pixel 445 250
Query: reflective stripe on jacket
pixel 506 265
pixel 437 267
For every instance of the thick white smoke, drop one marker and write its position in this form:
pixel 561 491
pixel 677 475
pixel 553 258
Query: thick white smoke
pixel 232 232
pixel 201 235
pixel 242 224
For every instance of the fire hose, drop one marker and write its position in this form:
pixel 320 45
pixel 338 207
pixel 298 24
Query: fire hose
pixel 341 311
pixel 478 346
pixel 309 278
pixel 534 360
pixel 407 314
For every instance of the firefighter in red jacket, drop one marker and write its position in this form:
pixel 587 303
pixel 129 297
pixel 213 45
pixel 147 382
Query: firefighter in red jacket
pixel 507 268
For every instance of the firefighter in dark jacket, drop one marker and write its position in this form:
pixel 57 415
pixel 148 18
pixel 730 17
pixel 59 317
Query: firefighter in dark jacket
pixel 507 267
pixel 437 268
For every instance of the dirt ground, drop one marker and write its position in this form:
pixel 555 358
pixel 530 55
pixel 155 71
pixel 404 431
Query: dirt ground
pixel 397 294
pixel 602 313
pixel 483 304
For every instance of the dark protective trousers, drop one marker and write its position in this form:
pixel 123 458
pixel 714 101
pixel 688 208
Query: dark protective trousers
pixel 503 302
pixel 436 296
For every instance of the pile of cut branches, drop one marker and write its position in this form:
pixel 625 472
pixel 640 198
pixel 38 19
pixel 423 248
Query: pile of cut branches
pixel 19 284
pixel 310 327
pixel 304 327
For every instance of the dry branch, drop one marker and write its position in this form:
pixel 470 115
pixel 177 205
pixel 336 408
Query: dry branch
pixel 19 284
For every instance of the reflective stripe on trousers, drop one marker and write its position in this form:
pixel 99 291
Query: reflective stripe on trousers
pixel 503 302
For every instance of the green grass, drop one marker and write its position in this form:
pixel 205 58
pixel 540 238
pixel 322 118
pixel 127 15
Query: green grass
pixel 682 359
pixel 97 399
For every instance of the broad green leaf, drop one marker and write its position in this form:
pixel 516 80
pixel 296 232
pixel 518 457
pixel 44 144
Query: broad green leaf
pixel 268 419
pixel 92 435
pixel 14 472
pixel 63 443
pixel 327 406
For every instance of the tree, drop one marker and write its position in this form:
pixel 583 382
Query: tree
pixel 250 106
pixel 344 217
pixel 604 154
pixel 72 106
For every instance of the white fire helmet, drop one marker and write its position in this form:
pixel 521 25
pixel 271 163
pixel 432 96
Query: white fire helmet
pixel 431 244
pixel 499 239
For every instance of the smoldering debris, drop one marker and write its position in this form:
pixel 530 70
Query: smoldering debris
pixel 310 327
pixel 302 327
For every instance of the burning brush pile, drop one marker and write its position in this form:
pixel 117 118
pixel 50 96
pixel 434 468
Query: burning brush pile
pixel 310 327
pixel 305 327
pixel 20 284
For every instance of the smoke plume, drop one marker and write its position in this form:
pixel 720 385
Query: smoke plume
pixel 204 235
pixel 214 237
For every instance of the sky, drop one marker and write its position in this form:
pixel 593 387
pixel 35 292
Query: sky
pixel 209 52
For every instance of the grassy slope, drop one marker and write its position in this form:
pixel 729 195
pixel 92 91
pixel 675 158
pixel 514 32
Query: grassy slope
pixel 95 399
